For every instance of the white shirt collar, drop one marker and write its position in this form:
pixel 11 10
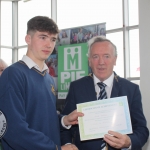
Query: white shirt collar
pixel 108 81
pixel 30 63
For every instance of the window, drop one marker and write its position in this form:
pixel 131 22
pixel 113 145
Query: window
pixel 6 55
pixel 27 10
pixel 117 39
pixel 21 52
pixel 134 53
pixel 6 23
pixel 133 12
pixel 82 12
pixel 77 13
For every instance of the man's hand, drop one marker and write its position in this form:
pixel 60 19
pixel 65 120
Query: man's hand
pixel 72 118
pixel 117 140
pixel 69 147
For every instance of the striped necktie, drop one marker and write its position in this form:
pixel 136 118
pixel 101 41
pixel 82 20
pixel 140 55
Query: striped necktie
pixel 102 95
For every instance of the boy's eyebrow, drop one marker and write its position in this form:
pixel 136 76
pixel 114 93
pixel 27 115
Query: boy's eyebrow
pixel 47 36
pixel 43 35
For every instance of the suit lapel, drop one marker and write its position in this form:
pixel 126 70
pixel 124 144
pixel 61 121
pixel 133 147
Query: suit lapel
pixel 90 89
pixel 116 86
pixel 89 86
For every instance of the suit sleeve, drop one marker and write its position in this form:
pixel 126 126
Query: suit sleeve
pixel 140 131
pixel 67 134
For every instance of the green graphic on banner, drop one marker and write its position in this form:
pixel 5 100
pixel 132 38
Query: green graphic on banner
pixel 72 65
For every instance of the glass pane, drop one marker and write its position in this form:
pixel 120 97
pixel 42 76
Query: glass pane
pixel 21 52
pixel 27 10
pixel 133 12
pixel 6 23
pixel 75 13
pixel 117 39
pixel 134 53
pixel 6 55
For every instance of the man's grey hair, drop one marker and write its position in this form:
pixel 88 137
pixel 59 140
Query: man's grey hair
pixel 97 39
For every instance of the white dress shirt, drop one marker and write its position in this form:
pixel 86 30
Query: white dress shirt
pixel 30 63
pixel 108 82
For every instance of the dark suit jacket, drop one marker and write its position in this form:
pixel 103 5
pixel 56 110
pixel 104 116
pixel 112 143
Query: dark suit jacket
pixel 83 90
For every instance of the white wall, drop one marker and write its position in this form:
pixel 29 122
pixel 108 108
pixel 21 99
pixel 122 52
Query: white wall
pixel 144 35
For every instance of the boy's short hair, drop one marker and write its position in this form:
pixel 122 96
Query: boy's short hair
pixel 42 24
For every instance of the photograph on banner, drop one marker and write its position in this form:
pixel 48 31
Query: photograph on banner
pixel 83 34
pixel 101 29
pixel 52 63
pixel 64 37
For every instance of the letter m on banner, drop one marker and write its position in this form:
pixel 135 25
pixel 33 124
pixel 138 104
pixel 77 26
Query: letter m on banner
pixel 72 58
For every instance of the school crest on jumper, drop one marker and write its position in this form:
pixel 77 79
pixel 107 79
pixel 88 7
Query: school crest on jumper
pixel 53 89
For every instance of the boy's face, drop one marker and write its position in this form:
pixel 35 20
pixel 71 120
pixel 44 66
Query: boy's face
pixel 40 45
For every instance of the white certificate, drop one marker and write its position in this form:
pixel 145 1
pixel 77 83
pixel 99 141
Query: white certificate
pixel 103 115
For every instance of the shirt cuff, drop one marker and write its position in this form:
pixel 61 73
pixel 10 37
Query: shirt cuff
pixel 62 122
pixel 67 143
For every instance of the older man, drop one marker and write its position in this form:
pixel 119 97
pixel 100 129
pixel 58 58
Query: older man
pixel 102 59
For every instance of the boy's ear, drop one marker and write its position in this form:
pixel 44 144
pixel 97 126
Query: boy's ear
pixel 28 39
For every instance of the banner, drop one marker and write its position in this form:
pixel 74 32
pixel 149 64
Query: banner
pixel 70 56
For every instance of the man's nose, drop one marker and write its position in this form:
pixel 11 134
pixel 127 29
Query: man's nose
pixel 101 60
